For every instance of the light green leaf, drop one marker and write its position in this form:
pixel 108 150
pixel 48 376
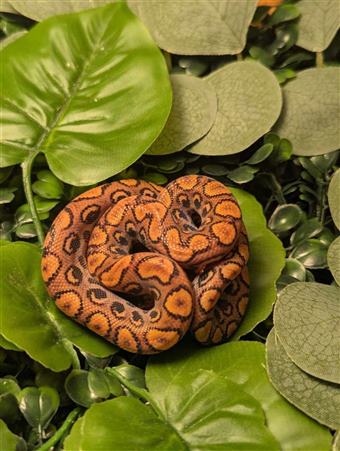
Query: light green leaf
pixel 249 103
pixel 11 38
pixel 319 22
pixel 333 259
pixel 8 345
pixel 6 7
pixel 192 115
pixel 244 364
pixel 336 442
pixel 93 102
pixel 311 111
pixel 263 271
pixel 41 9
pixel 242 174
pixel 8 440
pixel 307 322
pixel 318 399
pixel 261 154
pixel 203 27
pixel 31 321
pixel 333 198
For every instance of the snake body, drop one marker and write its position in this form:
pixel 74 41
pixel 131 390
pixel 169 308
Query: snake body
pixel 177 254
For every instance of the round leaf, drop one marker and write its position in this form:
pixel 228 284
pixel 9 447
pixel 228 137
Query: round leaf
pixel 311 110
pixel 318 24
pixel 263 271
pixel 93 102
pixel 249 103
pixel 318 399
pixel 333 259
pixel 32 321
pixel 242 174
pixel 78 389
pixel 203 27
pixel 285 217
pixel 333 198
pixel 192 115
pixel 38 405
pixel 307 322
pixel 312 253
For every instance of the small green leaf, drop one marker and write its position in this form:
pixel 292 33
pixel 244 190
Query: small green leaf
pixel 311 99
pixel 233 83
pixel 7 194
pixel 193 65
pixel 192 115
pixel 261 55
pixel 316 398
pixel 294 268
pixel 38 405
pixel 284 13
pixel 308 229
pixel 333 259
pixel 306 319
pixel 155 177
pixel 311 253
pixel 261 154
pixel 132 373
pixel 285 217
pixel 242 174
pixel 216 170
pixel 333 198
pixel 48 186
pixel 9 389
pixel 78 389
pixel 283 75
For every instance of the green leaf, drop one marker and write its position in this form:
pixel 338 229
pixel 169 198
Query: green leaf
pixel 333 259
pixel 192 115
pixel 263 271
pixel 11 38
pixel 249 103
pixel 216 170
pixel 38 405
pixel 333 198
pixel 261 154
pixel 7 7
pixel 311 99
pixel 284 13
pixel 155 177
pixel 308 229
pixel 261 55
pixel 316 398
pixel 8 440
pixel 48 185
pixel 318 24
pixel 203 27
pixel 78 388
pixel 132 373
pixel 9 411
pixel 7 194
pixel 7 344
pixel 243 363
pixel 294 268
pixel 285 217
pixel 242 174
pixel 31 320
pixel 92 102
pixel 307 322
pixel 311 253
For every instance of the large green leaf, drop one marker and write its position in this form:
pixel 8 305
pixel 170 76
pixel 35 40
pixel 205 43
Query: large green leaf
pixel 244 364
pixel 249 103
pixel 311 110
pixel 30 320
pixel 10 441
pixel 41 9
pixel 307 322
pixel 202 27
pixel 6 7
pixel 90 90
pixel 318 24
pixel 192 115
pixel 333 198
pixel 318 399
pixel 267 258
pixel 196 411
pixel 333 259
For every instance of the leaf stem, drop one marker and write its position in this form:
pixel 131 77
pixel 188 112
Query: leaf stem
pixel 319 59
pixel 26 178
pixel 59 434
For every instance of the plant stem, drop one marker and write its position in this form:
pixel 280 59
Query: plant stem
pixel 319 60
pixel 26 176
pixel 239 56
pixel 70 419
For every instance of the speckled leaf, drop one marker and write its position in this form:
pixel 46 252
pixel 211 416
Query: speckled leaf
pixel 90 90
pixel 41 9
pixel 333 198
pixel 319 22
pixel 202 27
pixel 333 258
pixel 307 322
pixel 249 103
pixel 192 115
pixel 30 320
pixel 263 271
pixel 244 364
pixel 311 111
pixel 318 399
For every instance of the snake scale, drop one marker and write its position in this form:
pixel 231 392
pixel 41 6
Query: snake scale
pixel 141 265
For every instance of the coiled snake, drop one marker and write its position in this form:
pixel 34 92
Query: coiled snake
pixel 177 254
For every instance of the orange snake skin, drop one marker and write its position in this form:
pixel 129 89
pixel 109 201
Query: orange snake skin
pixel 190 271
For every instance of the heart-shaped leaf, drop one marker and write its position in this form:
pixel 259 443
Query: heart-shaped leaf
pixel 311 99
pixel 333 198
pixel 32 321
pixel 249 103
pixel 263 271
pixel 333 259
pixel 318 23
pixel 244 364
pixel 318 399
pixel 192 115
pixel 92 102
pixel 307 322
pixel 38 405
pixel 203 27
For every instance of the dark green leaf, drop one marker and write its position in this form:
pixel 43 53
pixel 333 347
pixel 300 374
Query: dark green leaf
pixel 155 177
pixel 294 268
pixel 38 405
pixel 215 169
pixel 285 217
pixel 7 195
pixel 261 154
pixel 311 253
pixel 242 174
pixel 284 13
pixel 78 389
pixel 308 229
